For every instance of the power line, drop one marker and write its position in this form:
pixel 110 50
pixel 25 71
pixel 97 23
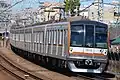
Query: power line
pixel 11 6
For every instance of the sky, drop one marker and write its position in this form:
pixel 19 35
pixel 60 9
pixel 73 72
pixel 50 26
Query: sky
pixel 35 3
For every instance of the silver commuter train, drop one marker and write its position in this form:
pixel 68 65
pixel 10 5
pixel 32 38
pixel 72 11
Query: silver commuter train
pixel 79 45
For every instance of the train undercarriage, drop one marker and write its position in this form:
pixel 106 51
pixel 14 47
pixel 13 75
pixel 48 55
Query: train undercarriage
pixel 73 64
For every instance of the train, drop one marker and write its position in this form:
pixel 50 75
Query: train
pixel 5 34
pixel 79 45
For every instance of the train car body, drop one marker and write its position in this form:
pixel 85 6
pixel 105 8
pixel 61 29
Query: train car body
pixel 80 45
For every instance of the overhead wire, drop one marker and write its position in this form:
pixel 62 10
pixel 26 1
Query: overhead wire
pixel 11 6
pixel 4 16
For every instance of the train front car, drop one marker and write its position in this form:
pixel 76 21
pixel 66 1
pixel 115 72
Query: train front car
pixel 88 46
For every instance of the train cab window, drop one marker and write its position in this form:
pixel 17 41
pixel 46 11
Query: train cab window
pixel 89 37
pixel 101 37
pixel 77 35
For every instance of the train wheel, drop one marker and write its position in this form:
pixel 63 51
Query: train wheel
pixel 54 62
pixel 37 58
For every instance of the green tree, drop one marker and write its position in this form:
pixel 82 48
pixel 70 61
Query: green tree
pixel 71 5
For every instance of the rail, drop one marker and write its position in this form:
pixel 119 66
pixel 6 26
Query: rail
pixel 17 71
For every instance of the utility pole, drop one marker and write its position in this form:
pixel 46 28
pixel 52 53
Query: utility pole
pixel 100 9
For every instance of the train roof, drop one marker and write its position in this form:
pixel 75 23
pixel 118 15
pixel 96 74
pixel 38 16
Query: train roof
pixel 87 22
pixel 74 20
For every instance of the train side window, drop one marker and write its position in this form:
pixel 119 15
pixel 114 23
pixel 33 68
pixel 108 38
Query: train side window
pixel 13 37
pixel 57 40
pixel 16 37
pixel 61 37
pixel 34 37
pixel 55 34
pixel 21 37
pixel 37 37
pixel 58 37
pixel 41 37
pixel 26 37
pixel 49 40
pixel 29 37
pixel 52 37
pixel 47 37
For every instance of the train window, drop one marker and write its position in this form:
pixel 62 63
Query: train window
pixel 101 40
pixel 34 37
pixel 61 37
pixel 101 37
pixel 58 34
pixel 77 27
pixel 41 37
pixel 77 35
pixel 13 36
pixel 17 37
pixel 52 36
pixel 55 34
pixel 89 37
pixel 49 36
pixel 101 29
pixel 27 37
pixel 37 37
pixel 21 37
pixel 57 37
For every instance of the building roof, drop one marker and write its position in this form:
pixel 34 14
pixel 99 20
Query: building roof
pixel 116 41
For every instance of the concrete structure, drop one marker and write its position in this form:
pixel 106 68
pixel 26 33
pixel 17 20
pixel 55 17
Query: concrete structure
pixel 41 14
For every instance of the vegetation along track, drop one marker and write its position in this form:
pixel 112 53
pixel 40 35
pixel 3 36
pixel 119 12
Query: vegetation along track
pixel 18 72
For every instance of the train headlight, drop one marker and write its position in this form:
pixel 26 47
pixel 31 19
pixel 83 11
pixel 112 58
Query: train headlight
pixel 105 53
pixel 71 49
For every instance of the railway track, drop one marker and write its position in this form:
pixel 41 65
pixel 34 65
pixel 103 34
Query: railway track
pixel 46 74
pixel 18 72
pixel 103 76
